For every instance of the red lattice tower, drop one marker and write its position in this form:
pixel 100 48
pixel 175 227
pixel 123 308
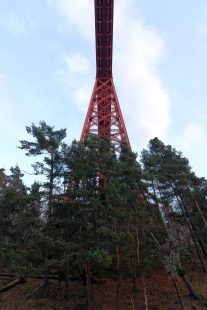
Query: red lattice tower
pixel 104 113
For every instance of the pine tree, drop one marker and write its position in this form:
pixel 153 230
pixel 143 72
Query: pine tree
pixel 47 144
pixel 19 222
pixel 170 173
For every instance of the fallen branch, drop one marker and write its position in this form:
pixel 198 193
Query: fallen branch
pixel 5 278
pixel 30 294
pixel 53 277
pixel 7 274
pixel 132 304
pixel 12 284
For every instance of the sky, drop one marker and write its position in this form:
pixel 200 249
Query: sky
pixel 47 72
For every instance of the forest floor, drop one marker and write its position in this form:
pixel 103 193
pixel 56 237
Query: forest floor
pixel 161 294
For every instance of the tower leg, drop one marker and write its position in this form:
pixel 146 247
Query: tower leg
pixel 104 114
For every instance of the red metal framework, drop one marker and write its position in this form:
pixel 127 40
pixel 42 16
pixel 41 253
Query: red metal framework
pixel 104 37
pixel 104 113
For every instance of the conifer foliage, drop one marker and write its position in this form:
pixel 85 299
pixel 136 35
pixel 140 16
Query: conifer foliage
pixel 102 213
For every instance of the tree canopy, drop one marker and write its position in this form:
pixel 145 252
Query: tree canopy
pixel 101 211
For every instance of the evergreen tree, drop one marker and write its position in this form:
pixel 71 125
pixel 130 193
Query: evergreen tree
pixel 19 222
pixel 170 173
pixel 47 144
pixel 96 209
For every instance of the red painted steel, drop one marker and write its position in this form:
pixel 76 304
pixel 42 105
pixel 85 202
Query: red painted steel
pixel 104 37
pixel 104 112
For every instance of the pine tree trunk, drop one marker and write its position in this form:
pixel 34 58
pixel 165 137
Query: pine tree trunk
pixel 194 230
pixel 45 288
pixel 134 282
pixel 197 205
pixel 67 294
pixel 202 247
pixel 139 263
pixel 116 248
pixel 88 286
pixel 178 293
pixel 163 223
pixel 189 286
pixel 118 291
pixel 48 232
pixel 199 241
pixel 166 214
pixel 199 255
pixel 189 223
pixel 190 229
pixel 195 238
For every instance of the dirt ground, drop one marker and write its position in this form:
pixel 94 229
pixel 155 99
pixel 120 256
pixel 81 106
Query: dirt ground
pixel 161 294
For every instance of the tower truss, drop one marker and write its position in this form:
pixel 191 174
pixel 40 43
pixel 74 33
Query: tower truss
pixel 104 113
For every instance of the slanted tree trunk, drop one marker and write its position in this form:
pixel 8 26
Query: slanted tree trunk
pixel 36 289
pixel 189 223
pixel 157 204
pixel 166 213
pixel 189 286
pixel 178 293
pixel 202 246
pixel 195 240
pixel 197 205
pixel 193 237
pixel 185 279
pixel 194 229
pixel 190 229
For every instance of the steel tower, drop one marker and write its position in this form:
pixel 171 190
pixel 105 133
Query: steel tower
pixel 104 113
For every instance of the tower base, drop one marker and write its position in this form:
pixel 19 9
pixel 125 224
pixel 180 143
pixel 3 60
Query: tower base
pixel 104 114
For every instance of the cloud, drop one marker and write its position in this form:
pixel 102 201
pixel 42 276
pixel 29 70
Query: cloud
pixel 138 51
pixel 12 23
pixel 76 75
pixel 77 63
pixel 193 135
pixel 82 94
pixel 77 14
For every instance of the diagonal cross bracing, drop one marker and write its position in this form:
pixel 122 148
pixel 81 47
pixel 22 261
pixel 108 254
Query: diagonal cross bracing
pixel 104 112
